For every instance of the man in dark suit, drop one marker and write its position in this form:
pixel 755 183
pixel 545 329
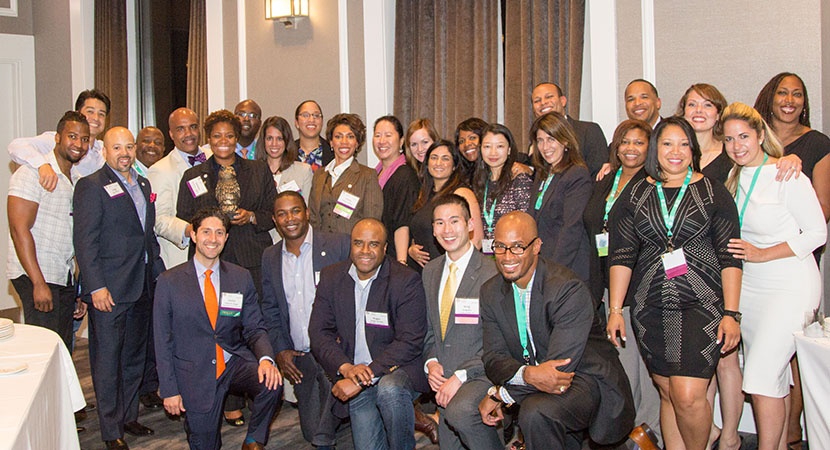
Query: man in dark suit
pixel 367 331
pixel 119 261
pixel 547 97
pixel 545 349
pixel 210 340
pixel 453 342
pixel 291 270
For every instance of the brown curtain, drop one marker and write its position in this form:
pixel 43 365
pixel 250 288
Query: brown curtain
pixel 111 57
pixel 543 42
pixel 446 61
pixel 197 61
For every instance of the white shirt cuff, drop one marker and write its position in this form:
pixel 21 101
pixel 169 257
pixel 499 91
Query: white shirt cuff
pixel 426 364
pixel 461 374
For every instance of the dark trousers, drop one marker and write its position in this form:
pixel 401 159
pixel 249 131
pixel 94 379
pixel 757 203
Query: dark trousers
pixel 240 377
pixel 59 319
pixel 151 376
pixel 117 350
pixel 314 402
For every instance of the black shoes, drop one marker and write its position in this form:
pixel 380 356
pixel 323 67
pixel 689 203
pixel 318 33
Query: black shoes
pixel 137 429
pixel 151 400
pixel 118 444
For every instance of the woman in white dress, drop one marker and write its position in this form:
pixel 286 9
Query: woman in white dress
pixel 781 225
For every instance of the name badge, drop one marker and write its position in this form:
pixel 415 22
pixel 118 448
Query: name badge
pixel 377 319
pixel 602 244
pixel 346 204
pixel 674 263
pixel 114 190
pixel 466 311
pixel 487 246
pixel 231 304
pixel 290 186
pixel 197 187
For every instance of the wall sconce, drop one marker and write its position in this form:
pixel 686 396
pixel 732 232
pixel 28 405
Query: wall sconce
pixel 286 11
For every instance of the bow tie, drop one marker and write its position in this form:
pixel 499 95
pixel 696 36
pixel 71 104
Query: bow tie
pixel 200 158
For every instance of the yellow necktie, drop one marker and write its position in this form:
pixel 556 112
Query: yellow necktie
pixel 446 299
pixel 212 306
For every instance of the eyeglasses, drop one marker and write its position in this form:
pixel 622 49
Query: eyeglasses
pixel 307 116
pixel 249 115
pixel 516 249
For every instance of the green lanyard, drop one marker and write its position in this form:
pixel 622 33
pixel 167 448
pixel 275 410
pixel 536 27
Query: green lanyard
pixel 668 217
pixel 521 320
pixel 542 189
pixel 611 198
pixel 491 214
pixel 749 191
pixel 139 170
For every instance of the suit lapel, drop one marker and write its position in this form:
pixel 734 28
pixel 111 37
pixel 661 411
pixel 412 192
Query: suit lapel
pixel 377 299
pixel 433 291
pixel 538 319
pixel 196 298
pixel 509 310
pixel 125 197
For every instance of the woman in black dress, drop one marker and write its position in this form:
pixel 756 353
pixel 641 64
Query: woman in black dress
pixel 668 250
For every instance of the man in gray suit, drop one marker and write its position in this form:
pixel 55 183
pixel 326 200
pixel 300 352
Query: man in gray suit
pixel 453 342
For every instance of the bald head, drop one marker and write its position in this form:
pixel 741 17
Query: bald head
pixel 368 247
pixel 184 130
pixel 119 149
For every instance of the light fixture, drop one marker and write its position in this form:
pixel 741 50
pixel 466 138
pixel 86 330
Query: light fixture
pixel 286 11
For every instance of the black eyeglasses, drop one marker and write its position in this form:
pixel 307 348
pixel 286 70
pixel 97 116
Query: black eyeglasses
pixel 307 116
pixel 250 115
pixel 516 249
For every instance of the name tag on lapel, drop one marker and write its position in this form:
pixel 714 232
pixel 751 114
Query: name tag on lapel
pixel 377 319
pixel 231 304
pixel 114 190
pixel 290 186
pixel 346 204
pixel 197 187
pixel 466 311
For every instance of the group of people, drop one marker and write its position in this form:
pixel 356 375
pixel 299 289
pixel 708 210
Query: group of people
pixel 471 270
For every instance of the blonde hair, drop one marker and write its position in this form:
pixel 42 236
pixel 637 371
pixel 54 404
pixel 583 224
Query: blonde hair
pixel 771 145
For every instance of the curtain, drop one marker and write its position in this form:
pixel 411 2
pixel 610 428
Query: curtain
pixel 111 57
pixel 543 42
pixel 446 61
pixel 197 61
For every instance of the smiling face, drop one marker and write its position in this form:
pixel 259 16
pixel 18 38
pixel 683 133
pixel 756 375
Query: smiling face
pixel 95 112
pixel 641 102
pixel 119 149
pixel 72 143
pixel 184 130
pixel 291 218
pixel 788 101
pixel 309 121
pixel 701 113
pixel 274 143
pixel 511 230
pixel 222 141
pixel 742 143
pixel 451 229
pixel 209 240
pixel 343 143
pixel 386 141
pixel 368 247
pixel 440 165
pixel 674 152
pixel 419 143
pixel 551 149
pixel 469 144
pixel 250 115
pixel 633 149
pixel 494 151
pixel 149 146
pixel 546 98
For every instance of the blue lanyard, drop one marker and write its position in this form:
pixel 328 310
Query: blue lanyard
pixel 491 214
pixel 612 198
pixel 668 217
pixel 542 189
pixel 749 191
pixel 521 320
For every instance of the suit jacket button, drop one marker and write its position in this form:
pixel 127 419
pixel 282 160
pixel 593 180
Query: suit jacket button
pixel 214 361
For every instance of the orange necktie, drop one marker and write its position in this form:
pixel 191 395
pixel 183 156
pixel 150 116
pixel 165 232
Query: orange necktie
pixel 212 307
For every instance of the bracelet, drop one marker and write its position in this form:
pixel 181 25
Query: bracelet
pixel 616 309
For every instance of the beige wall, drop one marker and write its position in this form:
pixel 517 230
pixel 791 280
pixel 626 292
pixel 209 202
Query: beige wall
pixel 22 24
pixel 736 45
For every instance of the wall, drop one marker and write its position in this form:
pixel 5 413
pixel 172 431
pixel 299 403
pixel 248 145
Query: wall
pixel 22 24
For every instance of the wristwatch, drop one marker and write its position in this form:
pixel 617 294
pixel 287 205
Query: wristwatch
pixel 492 393
pixel 733 314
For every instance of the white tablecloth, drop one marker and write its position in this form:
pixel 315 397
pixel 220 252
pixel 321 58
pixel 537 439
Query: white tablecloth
pixel 814 365
pixel 37 405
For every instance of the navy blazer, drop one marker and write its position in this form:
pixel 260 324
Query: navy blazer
pixel 185 341
pixel 564 325
pixel 327 249
pixel 592 144
pixel 397 291
pixel 110 245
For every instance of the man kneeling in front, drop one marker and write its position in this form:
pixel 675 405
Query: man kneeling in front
pixel 210 340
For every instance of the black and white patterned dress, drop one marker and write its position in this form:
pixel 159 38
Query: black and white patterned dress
pixel 676 320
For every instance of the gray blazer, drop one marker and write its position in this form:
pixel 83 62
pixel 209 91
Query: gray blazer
pixel 461 348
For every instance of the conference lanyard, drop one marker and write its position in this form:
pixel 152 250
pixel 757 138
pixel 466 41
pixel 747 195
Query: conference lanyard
pixel 749 191
pixel 542 189
pixel 611 198
pixel 491 214
pixel 668 217
pixel 521 321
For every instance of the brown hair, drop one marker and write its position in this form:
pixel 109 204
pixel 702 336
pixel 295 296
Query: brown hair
pixel 619 134
pixel 289 156
pixel 556 126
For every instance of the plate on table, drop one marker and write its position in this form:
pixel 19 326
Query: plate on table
pixel 12 367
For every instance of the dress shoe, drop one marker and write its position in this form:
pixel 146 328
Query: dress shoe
pixel 80 429
pixel 151 400
pixel 118 444
pixel 253 446
pixel 426 425
pixel 236 422
pixel 137 429
pixel 80 416
pixel 644 437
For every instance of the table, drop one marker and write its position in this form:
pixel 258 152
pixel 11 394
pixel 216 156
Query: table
pixel 37 405
pixel 814 365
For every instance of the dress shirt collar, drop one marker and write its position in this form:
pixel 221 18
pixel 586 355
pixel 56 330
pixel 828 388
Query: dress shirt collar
pixel 200 269
pixel 304 247
pixel 363 283
pixel 461 263
pixel 337 170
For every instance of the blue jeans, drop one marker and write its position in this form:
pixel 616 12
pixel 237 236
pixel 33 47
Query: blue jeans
pixel 382 416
